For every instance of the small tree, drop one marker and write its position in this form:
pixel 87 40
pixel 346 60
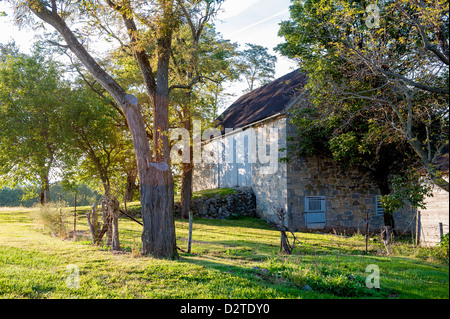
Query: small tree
pixel 257 66
pixel 285 245
pixel 410 188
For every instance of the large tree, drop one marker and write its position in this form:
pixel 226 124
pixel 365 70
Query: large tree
pixel 156 20
pixel 201 73
pixel 102 148
pixel 384 63
pixel 31 137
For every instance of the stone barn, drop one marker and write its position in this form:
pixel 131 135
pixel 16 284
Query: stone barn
pixel 243 151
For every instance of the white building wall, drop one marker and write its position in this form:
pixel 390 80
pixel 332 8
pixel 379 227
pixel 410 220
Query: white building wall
pixel 242 162
pixel 435 218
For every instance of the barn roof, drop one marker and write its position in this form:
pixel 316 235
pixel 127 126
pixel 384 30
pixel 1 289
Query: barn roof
pixel 263 102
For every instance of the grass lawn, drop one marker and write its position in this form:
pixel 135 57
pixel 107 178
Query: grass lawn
pixel 230 259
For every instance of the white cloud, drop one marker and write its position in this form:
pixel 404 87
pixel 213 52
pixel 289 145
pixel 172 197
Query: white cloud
pixel 259 22
pixel 232 8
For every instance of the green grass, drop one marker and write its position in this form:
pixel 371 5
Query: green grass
pixel 230 259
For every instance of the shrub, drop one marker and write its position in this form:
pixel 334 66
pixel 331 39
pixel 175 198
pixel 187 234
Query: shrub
pixel 442 248
pixel 52 218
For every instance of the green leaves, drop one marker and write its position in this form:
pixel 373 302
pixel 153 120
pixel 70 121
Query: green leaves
pixel 31 92
pixel 257 65
pixel 375 86
pixel 410 188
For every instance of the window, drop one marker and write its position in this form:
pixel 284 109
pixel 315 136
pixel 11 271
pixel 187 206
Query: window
pixel 314 204
pixel 379 208
pixel 315 212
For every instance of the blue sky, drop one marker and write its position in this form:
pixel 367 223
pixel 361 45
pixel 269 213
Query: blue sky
pixel 255 21
pixel 241 21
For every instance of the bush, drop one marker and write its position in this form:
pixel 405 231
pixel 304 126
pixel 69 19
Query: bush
pixel 442 248
pixel 52 218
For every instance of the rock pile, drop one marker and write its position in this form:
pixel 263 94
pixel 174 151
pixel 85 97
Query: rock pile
pixel 241 203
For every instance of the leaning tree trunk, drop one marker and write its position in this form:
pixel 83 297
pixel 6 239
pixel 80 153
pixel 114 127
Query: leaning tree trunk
pixel 156 191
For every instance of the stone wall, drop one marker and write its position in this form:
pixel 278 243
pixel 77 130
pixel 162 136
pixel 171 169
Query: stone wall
pixel 241 203
pixel 348 194
pixel 271 187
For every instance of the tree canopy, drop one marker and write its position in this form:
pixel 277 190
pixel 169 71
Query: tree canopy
pixel 32 139
pixel 378 80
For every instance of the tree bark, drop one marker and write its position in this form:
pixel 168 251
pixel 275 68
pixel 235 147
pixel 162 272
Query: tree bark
pixel 94 226
pixel 156 192
pixel 186 190
pixel 107 223
pixel 113 210
pixel 75 218
pixel 131 185
pixel 386 238
pixel 45 190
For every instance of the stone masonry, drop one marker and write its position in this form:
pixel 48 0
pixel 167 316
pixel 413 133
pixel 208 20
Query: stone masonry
pixel 241 203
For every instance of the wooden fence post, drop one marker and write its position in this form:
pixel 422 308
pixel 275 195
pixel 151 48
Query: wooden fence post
pixel 75 219
pixel 417 227
pixel 190 231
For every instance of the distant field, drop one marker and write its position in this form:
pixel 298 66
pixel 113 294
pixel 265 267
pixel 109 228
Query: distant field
pixel 230 259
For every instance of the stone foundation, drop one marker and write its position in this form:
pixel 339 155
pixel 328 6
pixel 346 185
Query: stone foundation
pixel 240 203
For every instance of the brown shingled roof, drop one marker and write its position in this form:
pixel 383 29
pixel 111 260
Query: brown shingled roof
pixel 263 102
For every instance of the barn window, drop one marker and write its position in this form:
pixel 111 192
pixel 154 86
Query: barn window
pixel 314 204
pixel 315 212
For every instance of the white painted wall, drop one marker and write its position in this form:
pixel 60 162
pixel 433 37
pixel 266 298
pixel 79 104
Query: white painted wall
pixel 437 212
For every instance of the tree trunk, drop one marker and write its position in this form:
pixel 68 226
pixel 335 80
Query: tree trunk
pixel 45 191
pixel 156 191
pixel 131 185
pixel 107 223
pixel 186 190
pixel 191 217
pixel 75 218
pixel 113 210
pixel 386 238
pixel 158 237
pixel 187 168
pixel 94 226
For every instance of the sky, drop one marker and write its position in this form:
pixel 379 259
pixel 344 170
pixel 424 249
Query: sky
pixel 241 21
